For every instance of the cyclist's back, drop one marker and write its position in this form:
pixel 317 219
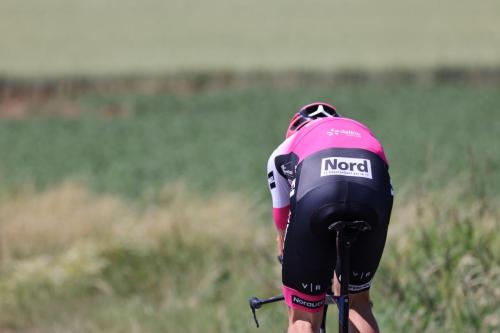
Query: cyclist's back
pixel 334 132
pixel 333 168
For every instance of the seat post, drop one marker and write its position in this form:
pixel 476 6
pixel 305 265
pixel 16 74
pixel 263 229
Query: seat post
pixel 344 239
pixel 346 231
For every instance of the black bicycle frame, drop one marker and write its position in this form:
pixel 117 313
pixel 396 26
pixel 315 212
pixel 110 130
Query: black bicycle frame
pixel 344 239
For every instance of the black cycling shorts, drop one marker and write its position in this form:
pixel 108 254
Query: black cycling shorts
pixel 353 184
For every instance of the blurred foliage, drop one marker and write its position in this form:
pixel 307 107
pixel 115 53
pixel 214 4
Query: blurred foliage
pixel 185 263
pixel 222 139
pixel 188 257
pixel 444 266
pixel 189 264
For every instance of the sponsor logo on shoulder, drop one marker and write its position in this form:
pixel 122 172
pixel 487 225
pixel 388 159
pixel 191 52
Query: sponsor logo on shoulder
pixel 288 170
pixel 311 305
pixel 341 131
pixel 346 166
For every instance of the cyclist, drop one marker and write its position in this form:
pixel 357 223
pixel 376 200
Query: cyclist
pixel 335 164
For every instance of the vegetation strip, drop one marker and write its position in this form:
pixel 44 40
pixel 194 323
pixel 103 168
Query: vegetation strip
pixel 72 261
pixel 191 82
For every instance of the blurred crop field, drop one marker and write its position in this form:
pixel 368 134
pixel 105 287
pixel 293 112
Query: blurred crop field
pixel 131 144
pixel 54 38
pixel 135 212
pixel 134 138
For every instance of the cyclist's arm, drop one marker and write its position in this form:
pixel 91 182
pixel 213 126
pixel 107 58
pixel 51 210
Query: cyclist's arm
pixel 280 193
pixel 279 187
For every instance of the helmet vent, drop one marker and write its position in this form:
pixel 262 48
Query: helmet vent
pixel 320 112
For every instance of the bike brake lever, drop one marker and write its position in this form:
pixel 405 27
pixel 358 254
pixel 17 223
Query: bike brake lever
pixel 254 303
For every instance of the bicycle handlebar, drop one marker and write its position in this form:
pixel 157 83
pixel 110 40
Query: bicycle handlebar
pixel 256 303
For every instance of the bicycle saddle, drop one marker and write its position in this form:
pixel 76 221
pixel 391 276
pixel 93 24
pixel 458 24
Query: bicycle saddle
pixel 341 216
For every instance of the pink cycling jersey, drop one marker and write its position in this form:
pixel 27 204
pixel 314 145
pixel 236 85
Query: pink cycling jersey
pixel 320 134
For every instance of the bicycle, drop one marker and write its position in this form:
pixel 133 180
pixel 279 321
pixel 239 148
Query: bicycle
pixel 346 235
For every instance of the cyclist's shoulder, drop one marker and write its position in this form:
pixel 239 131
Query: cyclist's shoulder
pixel 283 148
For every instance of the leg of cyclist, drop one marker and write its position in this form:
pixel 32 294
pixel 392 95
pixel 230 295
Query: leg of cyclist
pixel 365 254
pixel 361 318
pixel 308 265
pixel 304 322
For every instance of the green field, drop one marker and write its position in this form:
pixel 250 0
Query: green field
pixel 125 212
pixel 61 37
pixel 134 138
pixel 221 140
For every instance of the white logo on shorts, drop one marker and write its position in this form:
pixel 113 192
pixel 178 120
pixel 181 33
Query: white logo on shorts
pixel 346 166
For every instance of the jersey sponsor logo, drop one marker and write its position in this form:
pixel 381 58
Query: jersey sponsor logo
pixel 270 179
pixel 311 286
pixel 361 275
pixel 311 305
pixel 288 170
pixel 285 165
pixel 346 166
pixel 341 131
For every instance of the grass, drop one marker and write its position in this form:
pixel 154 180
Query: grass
pixel 222 139
pixel 442 264
pixel 77 254
pixel 188 264
pixel 59 37
pixel 182 263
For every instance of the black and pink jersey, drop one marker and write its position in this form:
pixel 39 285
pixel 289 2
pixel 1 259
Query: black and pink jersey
pixel 320 134
pixel 333 165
